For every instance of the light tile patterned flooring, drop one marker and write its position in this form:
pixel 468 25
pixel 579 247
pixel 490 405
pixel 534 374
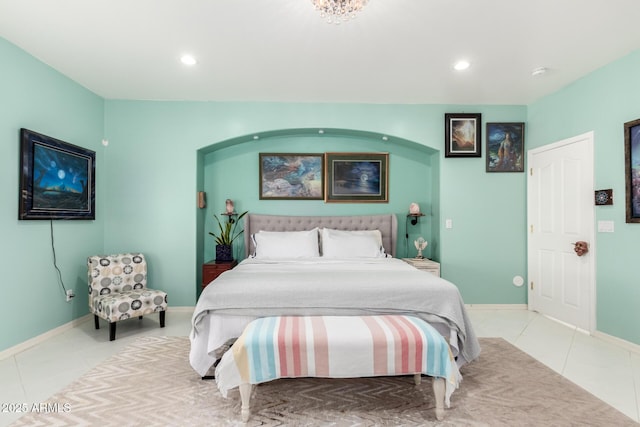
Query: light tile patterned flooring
pixel 605 369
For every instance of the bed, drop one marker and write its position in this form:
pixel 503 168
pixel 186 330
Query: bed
pixel 284 275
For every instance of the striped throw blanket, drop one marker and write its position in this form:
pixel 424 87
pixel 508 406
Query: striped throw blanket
pixel 336 347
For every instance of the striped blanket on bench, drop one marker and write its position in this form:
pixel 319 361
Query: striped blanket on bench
pixel 336 347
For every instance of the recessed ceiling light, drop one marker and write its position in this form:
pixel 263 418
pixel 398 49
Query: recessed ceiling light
pixel 188 60
pixel 538 71
pixel 461 65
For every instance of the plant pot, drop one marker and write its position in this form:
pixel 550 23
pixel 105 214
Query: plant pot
pixel 224 253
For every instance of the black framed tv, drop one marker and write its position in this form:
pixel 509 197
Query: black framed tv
pixel 57 179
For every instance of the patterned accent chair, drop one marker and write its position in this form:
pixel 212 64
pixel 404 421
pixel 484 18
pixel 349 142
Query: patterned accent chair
pixel 118 290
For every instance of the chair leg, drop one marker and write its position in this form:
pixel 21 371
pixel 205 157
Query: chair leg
pixel 140 317
pixel 96 322
pixel 112 331
pixel 162 313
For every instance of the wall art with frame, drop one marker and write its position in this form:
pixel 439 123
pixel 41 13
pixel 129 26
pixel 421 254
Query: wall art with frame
pixel 632 170
pixel 505 147
pixel 462 135
pixel 291 176
pixel 57 179
pixel 357 177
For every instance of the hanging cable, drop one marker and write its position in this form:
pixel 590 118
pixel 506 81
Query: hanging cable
pixel 406 236
pixel 55 262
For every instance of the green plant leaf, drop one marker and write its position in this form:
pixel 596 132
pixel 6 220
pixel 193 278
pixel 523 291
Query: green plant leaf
pixel 227 231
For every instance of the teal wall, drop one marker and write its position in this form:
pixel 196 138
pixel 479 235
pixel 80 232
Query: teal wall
pixel 35 97
pixel 602 102
pixel 233 172
pixel 161 153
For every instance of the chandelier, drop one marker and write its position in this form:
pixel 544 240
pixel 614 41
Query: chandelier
pixel 337 11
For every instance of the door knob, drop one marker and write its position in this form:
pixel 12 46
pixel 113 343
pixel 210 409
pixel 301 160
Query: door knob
pixel 580 247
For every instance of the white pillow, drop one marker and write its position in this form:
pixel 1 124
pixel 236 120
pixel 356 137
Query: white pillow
pixel 352 244
pixel 286 244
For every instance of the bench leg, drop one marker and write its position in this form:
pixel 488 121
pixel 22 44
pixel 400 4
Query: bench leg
pixel 438 392
pixel 245 396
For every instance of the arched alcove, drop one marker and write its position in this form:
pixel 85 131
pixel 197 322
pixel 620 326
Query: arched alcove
pixel 229 169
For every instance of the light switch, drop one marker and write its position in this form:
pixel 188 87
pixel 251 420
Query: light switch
pixel 448 223
pixel 605 227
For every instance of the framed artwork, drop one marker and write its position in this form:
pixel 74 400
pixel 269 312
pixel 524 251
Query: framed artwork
pixel 603 197
pixel 57 179
pixel 632 169
pixel 291 176
pixel 462 135
pixel 357 177
pixel 505 147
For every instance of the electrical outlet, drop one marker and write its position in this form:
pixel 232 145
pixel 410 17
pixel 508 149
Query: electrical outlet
pixel 70 294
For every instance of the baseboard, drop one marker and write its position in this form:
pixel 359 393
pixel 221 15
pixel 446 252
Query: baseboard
pixel 12 351
pixel 181 309
pixel 497 306
pixel 627 345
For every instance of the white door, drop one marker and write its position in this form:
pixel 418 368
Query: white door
pixel 561 212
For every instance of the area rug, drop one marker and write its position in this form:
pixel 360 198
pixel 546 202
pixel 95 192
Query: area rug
pixel 150 383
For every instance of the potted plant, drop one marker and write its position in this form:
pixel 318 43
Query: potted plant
pixel 225 237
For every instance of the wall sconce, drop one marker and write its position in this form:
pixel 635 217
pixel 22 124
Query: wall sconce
pixel 229 210
pixel 202 199
pixel 414 213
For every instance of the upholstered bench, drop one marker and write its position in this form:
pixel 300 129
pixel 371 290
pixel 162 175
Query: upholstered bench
pixel 337 347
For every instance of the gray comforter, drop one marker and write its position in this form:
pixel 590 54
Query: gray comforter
pixel 258 288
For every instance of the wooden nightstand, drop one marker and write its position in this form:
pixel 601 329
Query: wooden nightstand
pixel 212 269
pixel 425 264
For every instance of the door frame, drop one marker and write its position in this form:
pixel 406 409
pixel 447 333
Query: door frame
pixel 586 138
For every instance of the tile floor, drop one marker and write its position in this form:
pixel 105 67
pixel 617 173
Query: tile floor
pixel 605 369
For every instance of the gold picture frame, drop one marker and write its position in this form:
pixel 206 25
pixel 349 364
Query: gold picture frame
pixel 357 177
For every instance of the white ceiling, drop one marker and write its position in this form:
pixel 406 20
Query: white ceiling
pixel 395 51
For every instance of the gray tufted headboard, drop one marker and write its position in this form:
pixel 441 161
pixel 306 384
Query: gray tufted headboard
pixel 386 223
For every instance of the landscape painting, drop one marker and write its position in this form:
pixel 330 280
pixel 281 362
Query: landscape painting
pixel 58 179
pixel 357 177
pixel 632 169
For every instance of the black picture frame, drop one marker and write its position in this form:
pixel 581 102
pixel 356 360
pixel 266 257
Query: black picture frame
pixel 57 179
pixel 505 147
pixel 291 176
pixel 463 135
pixel 357 177
pixel 632 170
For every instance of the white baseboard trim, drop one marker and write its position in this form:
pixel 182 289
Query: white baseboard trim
pixel 497 306
pixel 18 348
pixel 181 309
pixel 627 345
pixel 12 351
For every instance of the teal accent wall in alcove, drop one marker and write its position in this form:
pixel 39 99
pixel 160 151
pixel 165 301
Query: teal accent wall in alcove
pixel 230 170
